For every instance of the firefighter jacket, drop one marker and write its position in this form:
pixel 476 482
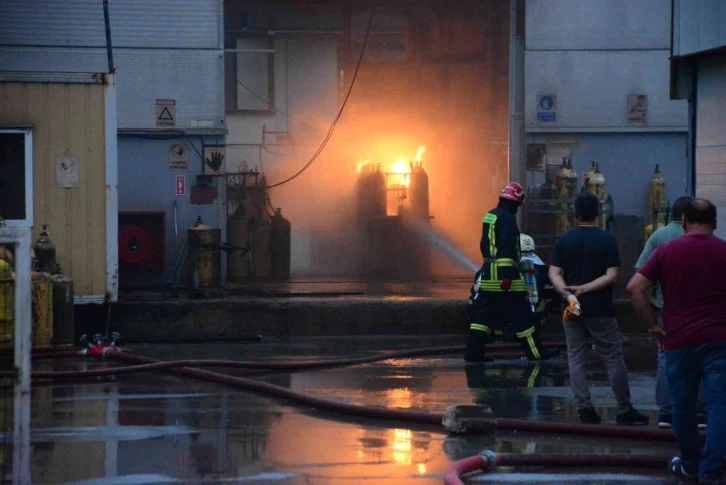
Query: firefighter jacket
pixel 500 249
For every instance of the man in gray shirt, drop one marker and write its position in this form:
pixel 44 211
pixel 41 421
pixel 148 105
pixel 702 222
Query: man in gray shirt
pixel 660 237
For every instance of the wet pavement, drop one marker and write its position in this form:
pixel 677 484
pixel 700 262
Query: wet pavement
pixel 156 428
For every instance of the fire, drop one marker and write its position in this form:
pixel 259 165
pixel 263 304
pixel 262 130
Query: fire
pixel 420 153
pixel 401 170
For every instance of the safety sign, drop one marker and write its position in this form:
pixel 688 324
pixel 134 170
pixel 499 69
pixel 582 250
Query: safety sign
pixel 165 112
pixel 547 107
pixel 181 185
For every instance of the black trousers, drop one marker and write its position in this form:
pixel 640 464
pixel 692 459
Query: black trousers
pixel 508 312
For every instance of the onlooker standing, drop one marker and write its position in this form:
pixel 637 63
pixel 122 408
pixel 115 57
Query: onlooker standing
pixel 585 266
pixel 691 272
pixel 658 238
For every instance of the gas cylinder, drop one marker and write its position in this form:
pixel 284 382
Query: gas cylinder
pixel 45 252
pixel 597 187
pixel 378 193
pixel 419 192
pixel 62 310
pixel 566 193
pixel 656 198
pixel 42 309
pixel 586 176
pixel 280 246
pixel 204 261
pixel 363 192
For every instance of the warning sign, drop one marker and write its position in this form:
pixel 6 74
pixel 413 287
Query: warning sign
pixel 214 160
pixel 165 112
pixel 179 158
pixel 181 185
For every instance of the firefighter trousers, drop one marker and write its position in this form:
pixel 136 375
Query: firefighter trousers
pixel 491 312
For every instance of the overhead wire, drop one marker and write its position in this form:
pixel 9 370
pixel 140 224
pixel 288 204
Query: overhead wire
pixel 267 102
pixel 340 112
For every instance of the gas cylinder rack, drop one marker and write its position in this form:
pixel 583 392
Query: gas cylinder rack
pixel 549 208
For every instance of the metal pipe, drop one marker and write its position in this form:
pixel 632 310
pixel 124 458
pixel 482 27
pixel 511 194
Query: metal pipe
pixel 109 45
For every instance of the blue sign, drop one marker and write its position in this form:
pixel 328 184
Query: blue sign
pixel 546 108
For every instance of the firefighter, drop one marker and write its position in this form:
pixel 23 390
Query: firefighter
pixel 548 299
pixel 499 296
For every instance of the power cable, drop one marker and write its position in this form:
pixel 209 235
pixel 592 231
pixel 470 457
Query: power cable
pixel 267 102
pixel 340 113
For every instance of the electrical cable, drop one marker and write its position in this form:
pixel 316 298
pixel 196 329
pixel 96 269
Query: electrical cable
pixel 201 155
pixel 488 461
pixel 267 102
pixel 340 112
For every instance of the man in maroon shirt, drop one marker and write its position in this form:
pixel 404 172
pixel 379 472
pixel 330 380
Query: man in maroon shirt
pixel 692 274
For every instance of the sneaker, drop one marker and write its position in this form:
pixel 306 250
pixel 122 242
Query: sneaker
pixel 665 420
pixel 676 468
pixel 702 422
pixel 589 416
pixel 631 416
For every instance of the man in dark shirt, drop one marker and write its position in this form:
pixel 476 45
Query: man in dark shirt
pixel 691 271
pixel 585 266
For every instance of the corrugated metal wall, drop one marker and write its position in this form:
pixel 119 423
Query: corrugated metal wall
pixel 166 49
pixel 591 54
pixel 592 88
pixel 698 26
pixel 68 120
pixel 598 24
pixel 710 137
pixel 175 24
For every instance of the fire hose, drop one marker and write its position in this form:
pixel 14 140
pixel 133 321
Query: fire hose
pixel 488 461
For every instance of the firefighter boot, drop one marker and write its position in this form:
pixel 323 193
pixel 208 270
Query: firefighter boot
pixel 476 342
pixel 532 345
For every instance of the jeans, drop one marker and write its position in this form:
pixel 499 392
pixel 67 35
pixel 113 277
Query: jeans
pixel 606 337
pixel 686 368
pixel 662 396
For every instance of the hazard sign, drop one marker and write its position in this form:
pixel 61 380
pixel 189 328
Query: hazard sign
pixel 181 185
pixel 165 113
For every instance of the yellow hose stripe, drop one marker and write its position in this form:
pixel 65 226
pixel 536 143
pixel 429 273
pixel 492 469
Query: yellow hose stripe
pixel 533 377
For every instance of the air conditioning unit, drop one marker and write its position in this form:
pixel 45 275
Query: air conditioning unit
pixel 141 242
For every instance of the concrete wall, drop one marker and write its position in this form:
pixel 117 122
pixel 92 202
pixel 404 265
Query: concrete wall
pixel 626 160
pixel 146 184
pixel 710 136
pixel 698 26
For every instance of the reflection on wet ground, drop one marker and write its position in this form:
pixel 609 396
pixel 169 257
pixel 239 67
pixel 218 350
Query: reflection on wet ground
pixel 156 428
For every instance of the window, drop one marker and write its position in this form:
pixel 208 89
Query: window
pixel 16 177
pixel 249 75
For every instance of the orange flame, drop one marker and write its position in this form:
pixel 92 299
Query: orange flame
pixel 420 153
pixel 401 169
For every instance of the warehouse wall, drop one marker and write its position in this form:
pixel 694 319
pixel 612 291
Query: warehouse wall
pixel 67 120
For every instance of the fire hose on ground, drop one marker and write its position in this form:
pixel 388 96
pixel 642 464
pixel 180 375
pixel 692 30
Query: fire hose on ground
pixel 488 461
pixel 484 462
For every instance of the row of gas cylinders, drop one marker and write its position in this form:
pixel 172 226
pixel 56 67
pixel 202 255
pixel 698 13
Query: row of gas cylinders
pixel 377 198
pixel 258 249
pixel 52 297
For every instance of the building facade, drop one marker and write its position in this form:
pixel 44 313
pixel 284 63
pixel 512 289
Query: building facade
pixel 168 61
pixel 596 88
pixel 698 76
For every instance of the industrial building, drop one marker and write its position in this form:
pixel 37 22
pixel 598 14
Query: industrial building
pixel 587 64
pixel 167 58
pixel 698 76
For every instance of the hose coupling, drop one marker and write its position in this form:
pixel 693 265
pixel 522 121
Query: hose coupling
pixel 490 459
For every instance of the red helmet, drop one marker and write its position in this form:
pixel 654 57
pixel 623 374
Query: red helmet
pixel 513 191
